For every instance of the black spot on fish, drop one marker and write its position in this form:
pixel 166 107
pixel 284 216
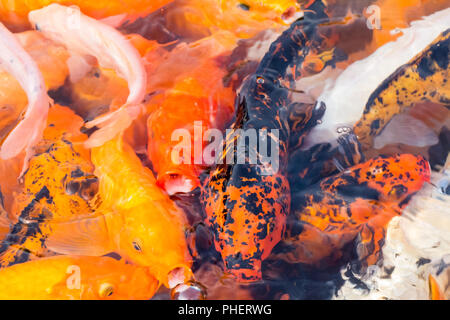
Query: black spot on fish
pixel 358 191
pixel 422 261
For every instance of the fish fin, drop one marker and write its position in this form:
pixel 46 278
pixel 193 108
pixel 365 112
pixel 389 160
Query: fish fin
pixel 115 21
pixel 435 291
pixel 79 66
pixel 87 237
pixel 349 150
pixel 24 136
pixel 407 130
pixel 111 125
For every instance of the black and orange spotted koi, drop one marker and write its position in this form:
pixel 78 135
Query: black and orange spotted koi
pixel 425 78
pixel 247 209
pixel 44 198
pixel 353 206
pixel 63 194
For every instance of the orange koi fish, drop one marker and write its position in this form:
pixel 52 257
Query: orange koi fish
pixel 134 218
pixel 197 96
pixel 355 205
pixel 90 37
pixel 15 13
pixel 196 19
pixel 17 62
pixel 76 278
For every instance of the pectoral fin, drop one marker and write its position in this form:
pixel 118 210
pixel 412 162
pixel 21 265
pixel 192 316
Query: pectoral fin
pixel 88 237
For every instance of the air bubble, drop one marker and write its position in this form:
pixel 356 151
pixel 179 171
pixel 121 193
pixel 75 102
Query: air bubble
pixel 344 130
pixel 190 290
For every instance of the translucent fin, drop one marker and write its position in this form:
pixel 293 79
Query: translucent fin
pixel 115 21
pixel 88 237
pixel 111 125
pixel 27 133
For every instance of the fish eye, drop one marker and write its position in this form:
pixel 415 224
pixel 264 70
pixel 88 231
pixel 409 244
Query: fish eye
pixel 106 290
pixel 244 6
pixel 137 246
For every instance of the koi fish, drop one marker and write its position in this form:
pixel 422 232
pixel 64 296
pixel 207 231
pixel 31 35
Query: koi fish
pixel 50 57
pixel 51 60
pixel 196 99
pixel 43 197
pixel 76 278
pixel 195 19
pixel 365 76
pixel 16 12
pixel 90 37
pixel 17 62
pixel 422 79
pixel 91 92
pixel 355 205
pixel 135 219
pixel 246 203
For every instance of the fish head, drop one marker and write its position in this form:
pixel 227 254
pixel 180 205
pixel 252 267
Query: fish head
pixel 140 242
pixel 39 19
pixel 282 10
pixel 120 282
pixel 395 178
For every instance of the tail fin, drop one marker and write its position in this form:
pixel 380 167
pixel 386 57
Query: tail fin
pixel 111 125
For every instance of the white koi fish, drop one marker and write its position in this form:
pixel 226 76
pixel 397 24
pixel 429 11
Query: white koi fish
pixel 90 37
pixel 17 62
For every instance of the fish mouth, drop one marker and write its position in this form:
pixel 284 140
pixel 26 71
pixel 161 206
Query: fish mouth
pixel 176 182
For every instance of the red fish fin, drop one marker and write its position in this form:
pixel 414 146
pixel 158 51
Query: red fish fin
pixel 87 237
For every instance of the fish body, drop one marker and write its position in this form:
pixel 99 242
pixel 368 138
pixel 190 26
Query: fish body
pixel 247 203
pixel 63 194
pixel 196 99
pixel 15 13
pixel 195 19
pixel 90 37
pixel 17 62
pixel 423 79
pixel 133 217
pixel 51 60
pixel 76 278
pixel 356 204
